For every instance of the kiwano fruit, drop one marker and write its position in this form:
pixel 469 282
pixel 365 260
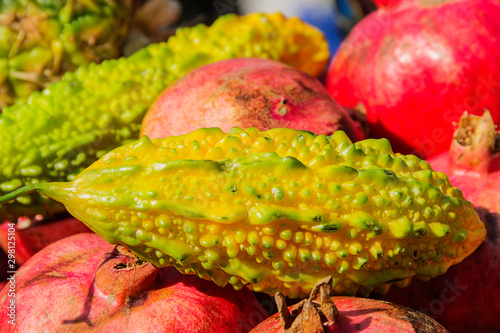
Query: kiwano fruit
pixel 55 134
pixel 463 300
pixel 41 40
pixel 276 210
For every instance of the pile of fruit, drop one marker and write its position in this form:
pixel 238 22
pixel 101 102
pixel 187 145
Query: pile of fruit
pixel 202 183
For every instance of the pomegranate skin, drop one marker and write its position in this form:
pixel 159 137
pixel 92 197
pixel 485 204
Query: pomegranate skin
pixel 417 66
pixel 467 298
pixel 357 314
pixel 247 92
pixel 38 234
pixel 4 268
pixel 83 284
pixel 389 3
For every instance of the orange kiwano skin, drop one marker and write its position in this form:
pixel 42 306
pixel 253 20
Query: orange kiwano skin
pixel 247 92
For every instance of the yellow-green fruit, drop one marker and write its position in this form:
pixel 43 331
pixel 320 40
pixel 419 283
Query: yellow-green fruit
pixel 55 134
pixel 40 40
pixel 275 210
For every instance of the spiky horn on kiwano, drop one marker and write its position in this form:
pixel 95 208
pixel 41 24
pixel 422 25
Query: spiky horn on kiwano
pixel 276 210
pixel 55 134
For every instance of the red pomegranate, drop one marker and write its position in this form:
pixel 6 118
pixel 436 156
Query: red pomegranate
pixel 4 267
pixel 247 92
pixel 416 67
pixel 343 314
pixel 32 236
pixel 388 3
pixel 83 284
pixel 467 297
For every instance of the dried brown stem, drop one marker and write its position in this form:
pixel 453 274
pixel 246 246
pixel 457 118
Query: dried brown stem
pixel 312 314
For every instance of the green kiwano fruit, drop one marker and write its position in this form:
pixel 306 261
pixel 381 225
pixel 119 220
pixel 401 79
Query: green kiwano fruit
pixel 55 134
pixel 40 40
pixel 277 210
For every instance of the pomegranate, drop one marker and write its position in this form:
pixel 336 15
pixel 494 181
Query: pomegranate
pixel 83 284
pixel 344 314
pixel 467 297
pixel 32 236
pixel 417 66
pixel 388 3
pixel 246 93
pixel 4 268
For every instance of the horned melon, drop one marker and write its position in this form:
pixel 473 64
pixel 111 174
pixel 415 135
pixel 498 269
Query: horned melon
pixel 276 210
pixel 55 134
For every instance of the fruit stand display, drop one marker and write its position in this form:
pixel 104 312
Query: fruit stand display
pixel 235 176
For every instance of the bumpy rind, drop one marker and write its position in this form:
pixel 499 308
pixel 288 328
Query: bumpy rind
pixel 41 40
pixel 277 210
pixel 55 134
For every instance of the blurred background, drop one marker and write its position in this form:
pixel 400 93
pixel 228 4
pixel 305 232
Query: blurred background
pixel 334 17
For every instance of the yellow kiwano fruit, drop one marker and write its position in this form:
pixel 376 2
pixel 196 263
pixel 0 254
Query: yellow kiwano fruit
pixel 277 210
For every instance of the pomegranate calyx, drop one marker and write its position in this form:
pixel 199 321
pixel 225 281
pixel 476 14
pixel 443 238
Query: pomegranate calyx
pixel 475 142
pixel 122 275
pixel 281 108
pixel 311 315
